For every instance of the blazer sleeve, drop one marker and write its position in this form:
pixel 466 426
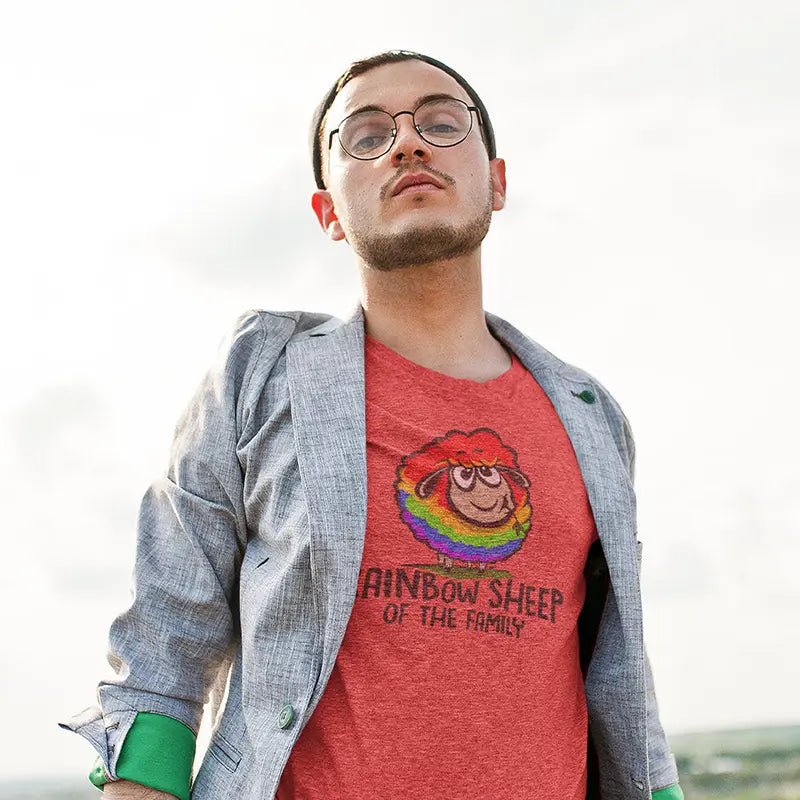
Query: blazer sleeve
pixel 663 770
pixel 174 642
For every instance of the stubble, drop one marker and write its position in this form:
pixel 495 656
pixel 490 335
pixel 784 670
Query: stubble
pixel 424 243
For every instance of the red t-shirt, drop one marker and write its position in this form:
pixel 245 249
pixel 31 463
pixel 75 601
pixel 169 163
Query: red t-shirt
pixel 458 675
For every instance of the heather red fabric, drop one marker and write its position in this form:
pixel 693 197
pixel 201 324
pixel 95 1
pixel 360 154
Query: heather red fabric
pixel 458 675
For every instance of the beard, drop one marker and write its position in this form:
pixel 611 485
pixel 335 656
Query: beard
pixel 422 244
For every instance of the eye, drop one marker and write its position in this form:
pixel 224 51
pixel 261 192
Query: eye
pixel 464 477
pixel 441 127
pixel 445 121
pixel 366 132
pixel 368 143
pixel 489 475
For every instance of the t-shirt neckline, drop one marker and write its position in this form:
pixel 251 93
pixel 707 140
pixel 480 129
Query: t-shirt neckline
pixel 391 359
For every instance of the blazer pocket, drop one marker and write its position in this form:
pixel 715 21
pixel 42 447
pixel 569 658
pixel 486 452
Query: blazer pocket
pixel 224 752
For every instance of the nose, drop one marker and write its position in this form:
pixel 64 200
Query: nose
pixel 408 144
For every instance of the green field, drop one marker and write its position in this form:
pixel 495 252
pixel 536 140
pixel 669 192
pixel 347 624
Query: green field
pixel 747 764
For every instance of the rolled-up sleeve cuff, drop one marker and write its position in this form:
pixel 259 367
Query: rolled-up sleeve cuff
pixel 105 732
pixel 158 752
pixel 668 793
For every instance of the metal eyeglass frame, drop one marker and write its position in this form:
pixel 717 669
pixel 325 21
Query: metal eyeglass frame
pixel 414 122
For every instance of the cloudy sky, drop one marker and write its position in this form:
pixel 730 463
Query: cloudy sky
pixel 154 183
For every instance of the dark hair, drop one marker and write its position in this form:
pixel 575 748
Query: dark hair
pixel 364 65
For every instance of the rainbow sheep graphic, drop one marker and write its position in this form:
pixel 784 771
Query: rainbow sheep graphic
pixel 465 497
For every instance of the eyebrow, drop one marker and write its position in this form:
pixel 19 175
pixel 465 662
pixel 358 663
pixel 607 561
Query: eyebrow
pixel 418 102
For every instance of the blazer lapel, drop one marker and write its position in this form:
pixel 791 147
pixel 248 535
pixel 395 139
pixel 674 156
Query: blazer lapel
pixel 326 383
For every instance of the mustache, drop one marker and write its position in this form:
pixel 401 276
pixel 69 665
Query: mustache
pixel 387 187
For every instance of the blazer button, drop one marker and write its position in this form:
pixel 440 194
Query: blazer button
pixel 639 785
pixel 286 716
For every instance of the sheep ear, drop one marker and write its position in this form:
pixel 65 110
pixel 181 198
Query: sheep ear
pixel 516 475
pixel 425 486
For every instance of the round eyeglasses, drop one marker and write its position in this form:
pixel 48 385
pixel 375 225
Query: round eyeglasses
pixel 370 133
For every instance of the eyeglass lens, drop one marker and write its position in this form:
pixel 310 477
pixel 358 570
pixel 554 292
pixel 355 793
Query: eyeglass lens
pixel 369 134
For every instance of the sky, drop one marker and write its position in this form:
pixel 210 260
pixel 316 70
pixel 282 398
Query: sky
pixel 155 183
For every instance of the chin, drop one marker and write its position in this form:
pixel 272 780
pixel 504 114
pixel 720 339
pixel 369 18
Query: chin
pixel 420 217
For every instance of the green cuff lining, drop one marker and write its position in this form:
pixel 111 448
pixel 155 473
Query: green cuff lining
pixel 98 774
pixel 669 793
pixel 157 752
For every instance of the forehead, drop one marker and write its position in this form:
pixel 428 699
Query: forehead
pixel 393 87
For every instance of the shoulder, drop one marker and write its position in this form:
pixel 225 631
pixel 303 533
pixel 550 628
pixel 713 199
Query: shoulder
pixel 260 333
pixel 254 343
pixel 257 323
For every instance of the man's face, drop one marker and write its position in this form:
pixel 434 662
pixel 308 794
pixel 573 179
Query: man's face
pixel 389 230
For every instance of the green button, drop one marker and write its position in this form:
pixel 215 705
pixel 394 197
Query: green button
pixel 587 395
pixel 286 716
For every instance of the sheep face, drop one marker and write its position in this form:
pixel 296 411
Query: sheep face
pixel 464 495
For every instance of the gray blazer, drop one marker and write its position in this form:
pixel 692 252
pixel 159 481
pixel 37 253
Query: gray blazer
pixel 249 550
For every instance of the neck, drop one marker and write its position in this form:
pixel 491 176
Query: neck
pixel 432 314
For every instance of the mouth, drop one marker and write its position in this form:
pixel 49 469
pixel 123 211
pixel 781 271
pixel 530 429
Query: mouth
pixel 418 187
pixel 413 184
pixel 492 507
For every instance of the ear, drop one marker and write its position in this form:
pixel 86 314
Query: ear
pixel 322 203
pixel 497 168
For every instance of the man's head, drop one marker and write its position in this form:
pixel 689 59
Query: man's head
pixel 358 199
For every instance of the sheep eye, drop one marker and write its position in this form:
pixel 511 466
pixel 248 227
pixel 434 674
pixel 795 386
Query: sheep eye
pixel 464 477
pixel 489 475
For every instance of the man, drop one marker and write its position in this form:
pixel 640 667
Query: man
pixel 407 541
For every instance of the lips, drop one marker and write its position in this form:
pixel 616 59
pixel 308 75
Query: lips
pixel 417 179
